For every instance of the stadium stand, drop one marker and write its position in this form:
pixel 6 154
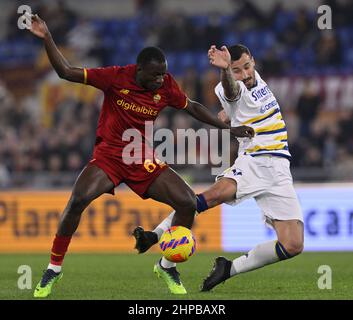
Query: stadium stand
pixel 47 126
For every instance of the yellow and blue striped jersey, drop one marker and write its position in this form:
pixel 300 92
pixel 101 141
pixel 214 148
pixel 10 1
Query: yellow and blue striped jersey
pixel 259 109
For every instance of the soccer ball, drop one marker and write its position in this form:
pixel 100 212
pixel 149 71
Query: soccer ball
pixel 177 244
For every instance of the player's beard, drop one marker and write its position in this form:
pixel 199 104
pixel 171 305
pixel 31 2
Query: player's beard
pixel 249 82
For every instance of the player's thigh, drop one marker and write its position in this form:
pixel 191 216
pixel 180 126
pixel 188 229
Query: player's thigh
pixel 223 190
pixel 91 183
pixel 279 203
pixel 171 189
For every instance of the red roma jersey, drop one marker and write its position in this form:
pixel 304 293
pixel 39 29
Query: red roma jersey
pixel 127 105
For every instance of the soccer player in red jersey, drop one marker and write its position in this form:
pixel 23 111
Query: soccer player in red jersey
pixel 133 94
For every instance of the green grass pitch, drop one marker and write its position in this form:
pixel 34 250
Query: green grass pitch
pixel 130 277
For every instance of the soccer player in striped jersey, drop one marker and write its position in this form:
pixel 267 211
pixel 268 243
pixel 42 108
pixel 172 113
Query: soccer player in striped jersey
pixel 261 170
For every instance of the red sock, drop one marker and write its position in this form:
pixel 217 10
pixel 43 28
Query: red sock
pixel 59 248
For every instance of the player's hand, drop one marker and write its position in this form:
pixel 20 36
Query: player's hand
pixel 223 117
pixel 219 58
pixel 39 27
pixel 242 132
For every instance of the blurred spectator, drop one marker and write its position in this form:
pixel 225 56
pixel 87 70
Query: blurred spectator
pixel 55 163
pixel 298 33
pixel 329 152
pixel 345 136
pixel 312 157
pixel 209 81
pixel 174 35
pixel 205 34
pixel 328 49
pixel 146 7
pixel 247 16
pixel 12 32
pixel 342 11
pixel 284 42
pixel 18 116
pixel 6 103
pixel 74 162
pixel 271 65
pixel 4 177
pixel 307 109
pixel 84 40
pixel 343 168
pixel 60 19
pixel 191 84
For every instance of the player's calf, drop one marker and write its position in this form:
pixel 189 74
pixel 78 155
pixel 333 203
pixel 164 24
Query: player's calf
pixel 185 207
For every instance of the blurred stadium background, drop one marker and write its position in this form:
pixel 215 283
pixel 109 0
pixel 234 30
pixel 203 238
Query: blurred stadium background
pixel 47 125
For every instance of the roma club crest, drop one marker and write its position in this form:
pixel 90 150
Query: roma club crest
pixel 156 98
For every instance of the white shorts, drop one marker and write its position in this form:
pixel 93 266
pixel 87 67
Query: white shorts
pixel 267 179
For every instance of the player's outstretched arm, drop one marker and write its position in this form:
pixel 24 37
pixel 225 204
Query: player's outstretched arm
pixel 59 63
pixel 201 113
pixel 222 59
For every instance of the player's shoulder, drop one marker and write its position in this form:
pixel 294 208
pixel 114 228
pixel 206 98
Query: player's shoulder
pixel 218 88
pixel 169 79
pixel 124 74
pixel 259 78
pixel 170 82
pixel 129 69
pixel 219 91
pixel 116 69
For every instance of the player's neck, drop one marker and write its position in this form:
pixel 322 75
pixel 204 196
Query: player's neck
pixel 138 81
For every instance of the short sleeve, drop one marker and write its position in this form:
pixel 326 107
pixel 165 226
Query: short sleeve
pixel 226 105
pixel 177 98
pixel 101 78
pixel 221 96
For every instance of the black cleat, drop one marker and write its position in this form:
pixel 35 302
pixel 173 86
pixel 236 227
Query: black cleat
pixel 144 239
pixel 219 273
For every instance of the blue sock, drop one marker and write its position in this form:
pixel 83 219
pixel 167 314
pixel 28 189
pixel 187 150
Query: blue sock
pixel 201 204
pixel 282 252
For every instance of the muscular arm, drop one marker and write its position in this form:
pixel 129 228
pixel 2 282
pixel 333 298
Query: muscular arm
pixel 222 59
pixel 201 113
pixel 59 63
pixel 230 86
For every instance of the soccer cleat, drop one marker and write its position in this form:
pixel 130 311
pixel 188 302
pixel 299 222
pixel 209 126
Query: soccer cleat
pixel 171 277
pixel 219 273
pixel 144 239
pixel 43 288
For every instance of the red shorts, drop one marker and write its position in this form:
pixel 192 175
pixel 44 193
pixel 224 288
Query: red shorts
pixel 138 176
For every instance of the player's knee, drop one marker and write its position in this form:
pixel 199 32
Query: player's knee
pixel 78 202
pixel 294 247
